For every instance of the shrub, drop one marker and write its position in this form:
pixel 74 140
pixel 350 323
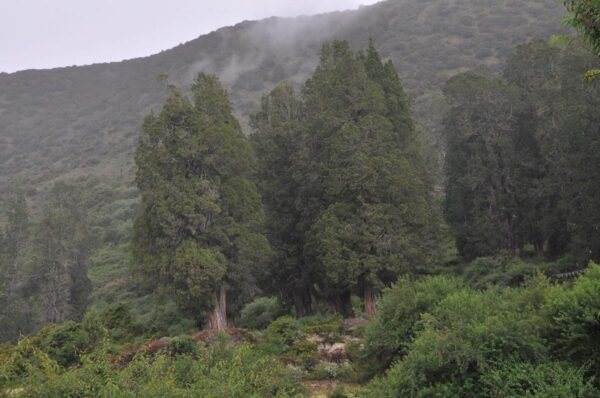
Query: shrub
pixel 546 380
pixel 499 270
pixel 260 313
pixel 64 342
pixel 235 372
pixel 400 309
pixel 183 345
pixel 286 330
pixel 573 321
pixel 463 337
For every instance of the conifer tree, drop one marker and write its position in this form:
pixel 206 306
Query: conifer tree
pixel 62 244
pixel 14 240
pixel 200 231
pixel 361 207
pixel 278 139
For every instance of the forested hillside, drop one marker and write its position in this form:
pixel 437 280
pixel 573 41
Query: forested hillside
pixel 77 121
pixel 396 213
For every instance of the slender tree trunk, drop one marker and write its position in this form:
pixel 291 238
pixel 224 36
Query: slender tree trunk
pixel 370 307
pixel 218 318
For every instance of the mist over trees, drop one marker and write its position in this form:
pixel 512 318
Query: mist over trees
pixel 359 241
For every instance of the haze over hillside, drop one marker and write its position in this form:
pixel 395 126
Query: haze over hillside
pixel 76 121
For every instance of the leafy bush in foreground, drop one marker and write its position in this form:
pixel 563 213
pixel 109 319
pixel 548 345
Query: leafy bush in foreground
pixel 218 371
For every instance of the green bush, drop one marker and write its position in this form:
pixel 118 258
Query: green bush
pixel 285 331
pixel 573 321
pixel 388 336
pixel 183 345
pixel 499 270
pixel 260 313
pixel 546 380
pixel 236 372
pixel 464 336
pixel 338 392
pixel 64 342
pixel 115 318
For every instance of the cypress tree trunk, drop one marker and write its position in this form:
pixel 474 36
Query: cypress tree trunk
pixel 218 318
pixel 342 304
pixel 370 307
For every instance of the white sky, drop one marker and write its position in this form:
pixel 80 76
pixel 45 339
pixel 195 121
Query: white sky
pixel 37 34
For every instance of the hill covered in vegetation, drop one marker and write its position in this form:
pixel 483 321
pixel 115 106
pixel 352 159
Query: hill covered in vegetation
pixel 314 255
pixel 74 121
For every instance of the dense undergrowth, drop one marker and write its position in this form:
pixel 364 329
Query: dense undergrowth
pixel 438 336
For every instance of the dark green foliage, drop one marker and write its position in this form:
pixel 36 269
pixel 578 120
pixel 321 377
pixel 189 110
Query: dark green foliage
pixel 545 380
pixel 521 154
pixel 61 248
pixel 260 313
pixel 200 232
pixel 484 205
pixel 573 321
pixel 339 392
pixel 116 319
pixel 285 330
pixel 183 345
pixel 65 343
pixel 463 337
pixel 344 182
pixel 500 270
pixel 17 312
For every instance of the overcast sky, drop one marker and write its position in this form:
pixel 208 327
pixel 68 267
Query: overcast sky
pixel 36 34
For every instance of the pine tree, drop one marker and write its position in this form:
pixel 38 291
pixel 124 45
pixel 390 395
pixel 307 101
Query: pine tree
pixel 200 233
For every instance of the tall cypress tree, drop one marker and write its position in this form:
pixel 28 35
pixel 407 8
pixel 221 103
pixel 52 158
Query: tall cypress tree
pixel 200 232
pixel 14 242
pixel 62 248
pixel 522 155
pixel 279 141
pixel 361 196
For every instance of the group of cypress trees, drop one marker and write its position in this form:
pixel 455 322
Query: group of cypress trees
pixel 339 174
pixel 43 263
pixel 523 156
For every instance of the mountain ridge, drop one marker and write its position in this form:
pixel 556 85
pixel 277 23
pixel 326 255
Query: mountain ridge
pixel 70 122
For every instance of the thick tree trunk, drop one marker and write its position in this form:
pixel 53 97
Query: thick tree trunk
pixel 218 318
pixel 370 307
pixel 342 304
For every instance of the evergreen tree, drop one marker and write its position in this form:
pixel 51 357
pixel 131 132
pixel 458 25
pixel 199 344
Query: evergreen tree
pixel 522 154
pixel 15 316
pixel 200 232
pixel 62 243
pixel 279 142
pixel 481 195
pixel 361 207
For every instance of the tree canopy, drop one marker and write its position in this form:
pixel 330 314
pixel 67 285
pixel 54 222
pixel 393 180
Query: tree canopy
pixel 200 231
